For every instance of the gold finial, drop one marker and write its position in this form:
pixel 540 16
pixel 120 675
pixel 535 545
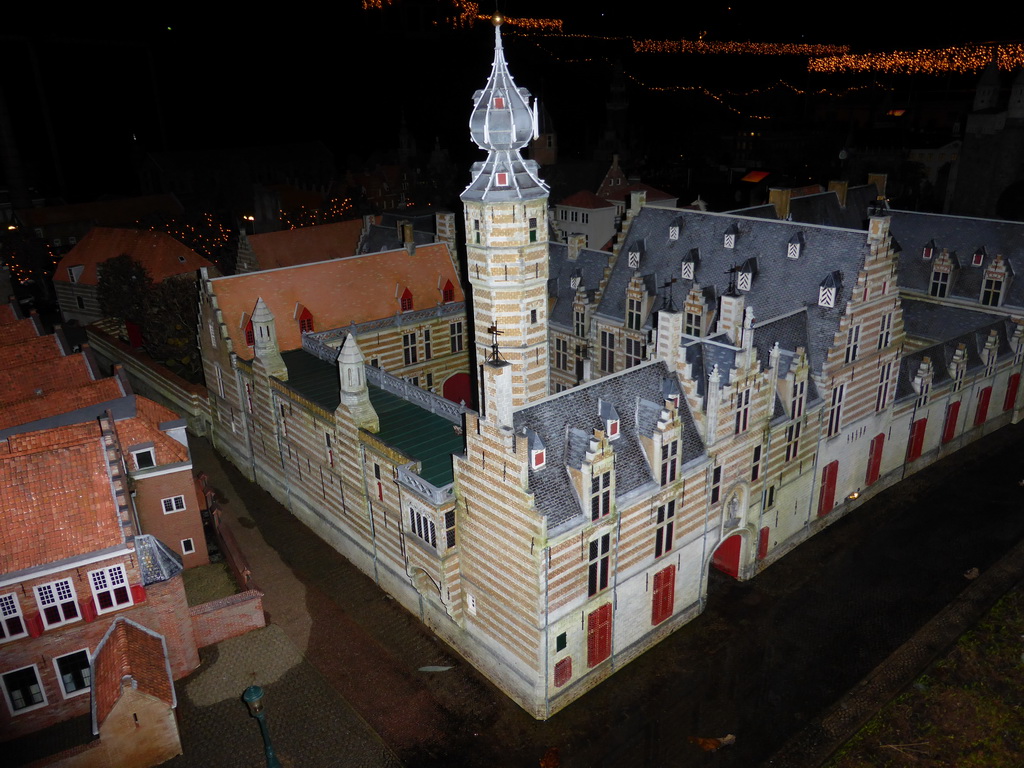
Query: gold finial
pixel 497 19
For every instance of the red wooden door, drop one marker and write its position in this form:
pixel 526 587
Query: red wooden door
pixel 599 635
pixel 949 428
pixel 763 538
pixel 982 411
pixel 727 556
pixel 456 388
pixel 827 497
pixel 1011 392
pixel 875 459
pixel 917 430
pixel 664 594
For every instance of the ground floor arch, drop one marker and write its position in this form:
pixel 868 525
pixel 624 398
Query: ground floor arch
pixel 728 556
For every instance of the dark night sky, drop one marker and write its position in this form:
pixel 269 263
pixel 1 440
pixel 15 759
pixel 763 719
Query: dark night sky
pixel 186 79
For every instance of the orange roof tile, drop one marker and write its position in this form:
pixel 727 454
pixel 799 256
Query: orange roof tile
pixel 306 244
pixel 34 379
pixel 141 430
pixel 586 199
pixel 7 315
pixel 29 351
pixel 60 401
pixel 129 649
pixel 337 293
pixel 57 503
pixel 161 254
pixel 18 331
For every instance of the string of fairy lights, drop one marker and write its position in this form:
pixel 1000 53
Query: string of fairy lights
pixel 961 60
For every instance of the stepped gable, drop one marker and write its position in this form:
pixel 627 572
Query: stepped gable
pixel 780 285
pixel 564 420
pixel 591 265
pixel 963 237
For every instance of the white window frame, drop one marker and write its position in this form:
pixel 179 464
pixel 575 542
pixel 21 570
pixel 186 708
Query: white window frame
pixel 107 580
pixel 49 594
pixel 39 685
pixel 152 456
pixel 60 678
pixel 176 504
pixel 10 609
pixel 422 527
pixel 188 546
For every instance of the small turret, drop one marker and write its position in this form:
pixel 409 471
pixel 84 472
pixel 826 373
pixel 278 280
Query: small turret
pixel 265 345
pixel 354 393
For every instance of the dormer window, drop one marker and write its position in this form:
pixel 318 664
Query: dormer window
pixel 687 270
pixel 499 102
pixel 448 292
pixel 501 179
pixel 250 335
pixel 634 259
pixel 929 250
pixel 612 427
pixel 537 459
pixel 991 292
pixel 730 236
pixel 407 301
pixel 305 321
pixel 794 246
pixel 827 291
pixel 610 417
pixel 978 258
pixel 575 280
pixel 673 232
pixel 74 273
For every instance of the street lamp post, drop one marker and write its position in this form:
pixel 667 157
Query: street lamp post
pixel 253 698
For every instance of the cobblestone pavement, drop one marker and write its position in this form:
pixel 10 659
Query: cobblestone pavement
pixel 762 661
pixel 310 725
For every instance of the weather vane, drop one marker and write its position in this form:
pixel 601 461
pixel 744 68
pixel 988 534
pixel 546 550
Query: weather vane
pixel 495 356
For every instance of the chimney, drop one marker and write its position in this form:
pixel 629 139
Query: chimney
pixel 407 237
pixel 576 242
pixel 780 199
pixel 840 188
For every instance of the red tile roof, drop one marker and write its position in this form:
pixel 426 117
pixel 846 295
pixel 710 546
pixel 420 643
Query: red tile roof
pixel 60 401
pixel 306 244
pixel 28 351
pixel 57 499
pixel 18 332
pixel 586 199
pixel 337 293
pixel 129 650
pixel 143 429
pixel 161 254
pixel 31 380
pixel 7 315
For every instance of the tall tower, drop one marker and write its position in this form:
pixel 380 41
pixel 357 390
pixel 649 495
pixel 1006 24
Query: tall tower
pixel 506 232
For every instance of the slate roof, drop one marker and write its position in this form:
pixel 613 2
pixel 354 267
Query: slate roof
pixel 337 293
pixel 781 285
pixel 591 265
pixel 161 254
pixel 419 434
pixel 824 208
pixel 963 236
pixel 973 335
pixel 565 422
pixel 129 649
pixel 306 245
pixel 57 501
pixel 937 322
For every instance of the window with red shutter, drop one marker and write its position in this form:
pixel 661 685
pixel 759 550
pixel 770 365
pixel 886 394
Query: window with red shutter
pixel 563 672
pixel 599 635
pixel 664 596
pixel 407 301
pixel 250 336
pixel 981 413
pixel 763 538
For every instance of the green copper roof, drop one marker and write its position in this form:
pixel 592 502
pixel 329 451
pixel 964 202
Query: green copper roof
pixel 417 433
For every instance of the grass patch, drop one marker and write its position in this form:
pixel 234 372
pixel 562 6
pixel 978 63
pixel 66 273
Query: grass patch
pixel 966 710
pixel 208 582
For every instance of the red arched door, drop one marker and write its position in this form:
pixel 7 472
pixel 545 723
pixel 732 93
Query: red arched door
pixel 456 388
pixel 727 556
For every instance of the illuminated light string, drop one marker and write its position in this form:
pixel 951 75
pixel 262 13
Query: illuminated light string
pixel 736 47
pixel 939 61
